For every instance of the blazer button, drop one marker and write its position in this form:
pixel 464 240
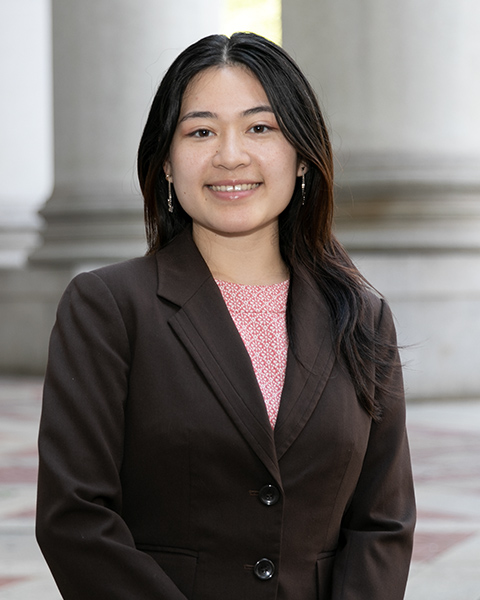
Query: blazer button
pixel 264 569
pixel 269 495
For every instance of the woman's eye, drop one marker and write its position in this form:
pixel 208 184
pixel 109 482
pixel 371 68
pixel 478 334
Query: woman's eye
pixel 201 133
pixel 260 128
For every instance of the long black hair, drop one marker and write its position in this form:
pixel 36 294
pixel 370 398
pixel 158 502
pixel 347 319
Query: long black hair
pixel 305 231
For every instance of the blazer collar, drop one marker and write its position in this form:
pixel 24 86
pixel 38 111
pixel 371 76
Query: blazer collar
pixel 181 269
pixel 206 329
pixel 204 326
pixel 311 357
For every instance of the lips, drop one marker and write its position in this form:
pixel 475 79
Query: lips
pixel 239 187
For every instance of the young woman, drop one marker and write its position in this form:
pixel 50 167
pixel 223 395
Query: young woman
pixel 224 418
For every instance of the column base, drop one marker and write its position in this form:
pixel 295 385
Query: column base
pixel 89 228
pixel 435 297
pixel 28 302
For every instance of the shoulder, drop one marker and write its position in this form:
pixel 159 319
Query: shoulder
pixel 123 278
pixel 111 291
pixel 128 272
pixel 108 304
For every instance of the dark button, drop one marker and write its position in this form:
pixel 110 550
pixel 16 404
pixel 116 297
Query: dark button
pixel 269 495
pixel 264 569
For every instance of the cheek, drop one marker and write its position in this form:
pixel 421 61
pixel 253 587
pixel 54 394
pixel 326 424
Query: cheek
pixel 188 182
pixel 286 161
pixel 285 172
pixel 184 178
pixel 187 169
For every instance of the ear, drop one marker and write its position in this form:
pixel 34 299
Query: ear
pixel 302 169
pixel 167 168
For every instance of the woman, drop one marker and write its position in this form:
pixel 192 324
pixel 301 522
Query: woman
pixel 224 418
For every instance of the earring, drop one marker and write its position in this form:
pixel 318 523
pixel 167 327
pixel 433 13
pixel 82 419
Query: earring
pixel 303 188
pixel 170 200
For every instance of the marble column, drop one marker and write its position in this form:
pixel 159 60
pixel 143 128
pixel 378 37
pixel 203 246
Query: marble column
pixel 108 58
pixel 25 125
pixel 399 84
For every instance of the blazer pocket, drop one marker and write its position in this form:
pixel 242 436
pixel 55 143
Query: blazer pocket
pixel 178 563
pixel 325 562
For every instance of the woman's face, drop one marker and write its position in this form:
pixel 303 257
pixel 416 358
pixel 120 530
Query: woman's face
pixel 232 168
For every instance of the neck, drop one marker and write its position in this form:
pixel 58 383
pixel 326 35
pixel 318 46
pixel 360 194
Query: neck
pixel 252 259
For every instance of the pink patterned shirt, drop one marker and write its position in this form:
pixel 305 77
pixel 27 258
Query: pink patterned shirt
pixel 259 313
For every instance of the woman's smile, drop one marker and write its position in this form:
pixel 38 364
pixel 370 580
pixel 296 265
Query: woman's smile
pixel 237 187
pixel 230 192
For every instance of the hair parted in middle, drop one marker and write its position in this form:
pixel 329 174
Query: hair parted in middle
pixel 295 107
pixel 306 239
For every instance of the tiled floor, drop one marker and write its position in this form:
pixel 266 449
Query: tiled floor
pixel 445 441
pixel 23 573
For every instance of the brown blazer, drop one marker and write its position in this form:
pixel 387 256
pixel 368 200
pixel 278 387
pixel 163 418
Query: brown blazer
pixel 160 477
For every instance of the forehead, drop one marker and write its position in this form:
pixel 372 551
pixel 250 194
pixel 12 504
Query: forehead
pixel 233 88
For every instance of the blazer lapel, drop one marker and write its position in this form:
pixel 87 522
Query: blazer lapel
pixel 204 326
pixel 309 362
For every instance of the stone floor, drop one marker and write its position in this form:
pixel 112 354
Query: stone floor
pixel 445 441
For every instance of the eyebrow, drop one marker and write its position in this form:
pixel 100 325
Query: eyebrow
pixel 205 114
pixel 257 109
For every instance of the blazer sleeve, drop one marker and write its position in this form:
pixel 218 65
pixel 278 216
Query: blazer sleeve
pixel 377 533
pixel 86 544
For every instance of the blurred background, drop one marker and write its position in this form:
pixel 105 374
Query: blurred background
pixel 400 86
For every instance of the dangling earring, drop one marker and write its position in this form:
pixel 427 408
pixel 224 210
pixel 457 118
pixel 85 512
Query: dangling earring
pixel 303 188
pixel 170 200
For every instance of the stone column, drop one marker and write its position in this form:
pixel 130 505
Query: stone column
pixel 400 86
pixel 108 58
pixel 25 125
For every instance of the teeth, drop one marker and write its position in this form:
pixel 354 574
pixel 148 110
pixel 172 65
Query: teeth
pixel 234 188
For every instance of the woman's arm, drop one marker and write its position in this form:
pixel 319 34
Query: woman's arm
pixel 87 545
pixel 377 534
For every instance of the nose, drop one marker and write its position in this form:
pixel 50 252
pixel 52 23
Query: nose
pixel 231 152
